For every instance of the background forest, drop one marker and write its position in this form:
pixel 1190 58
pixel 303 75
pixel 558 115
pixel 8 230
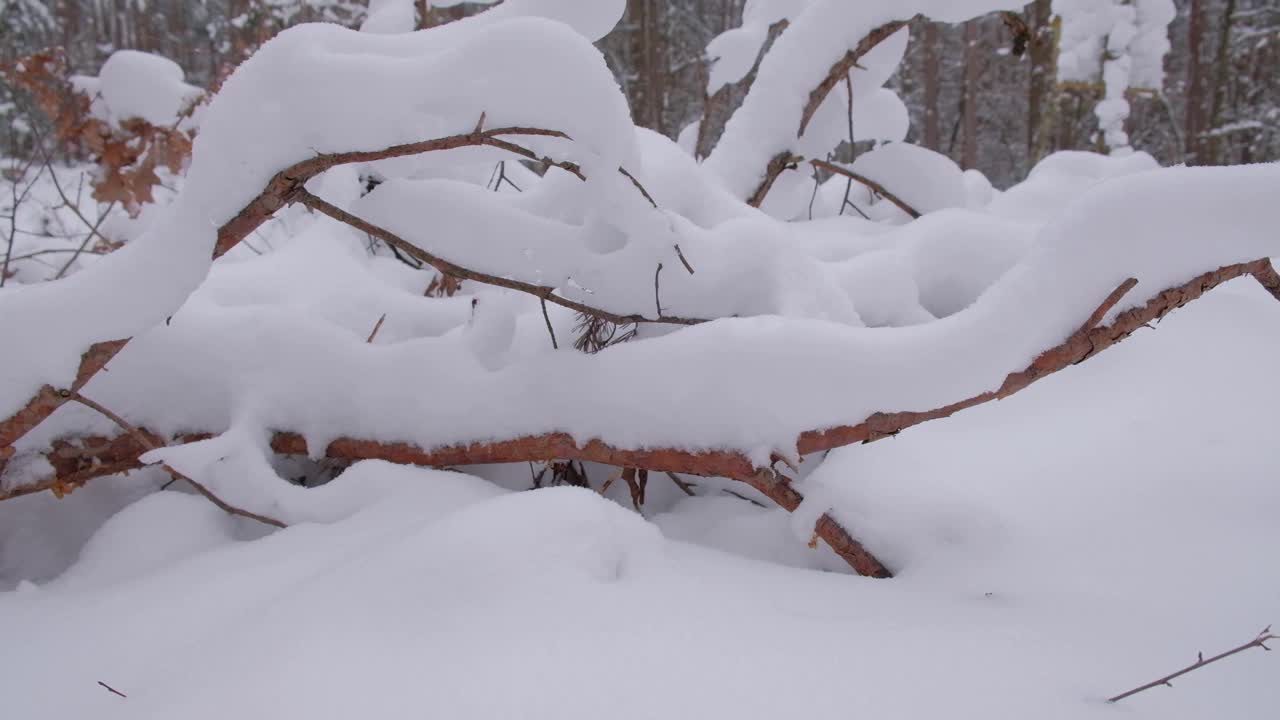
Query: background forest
pixel 968 95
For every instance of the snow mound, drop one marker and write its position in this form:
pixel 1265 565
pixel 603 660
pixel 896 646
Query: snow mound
pixel 927 181
pixel 134 84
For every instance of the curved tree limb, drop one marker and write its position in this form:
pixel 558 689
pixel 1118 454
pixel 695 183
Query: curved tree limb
pixel 76 464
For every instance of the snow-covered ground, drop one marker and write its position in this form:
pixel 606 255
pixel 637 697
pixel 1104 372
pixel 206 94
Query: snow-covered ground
pixel 1080 538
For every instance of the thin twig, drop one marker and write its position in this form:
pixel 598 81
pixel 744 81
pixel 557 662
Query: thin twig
pixel 1258 642
pixel 93 232
pixel 112 690
pixel 688 488
pixel 301 195
pixel 13 218
pixel 657 289
pixel 150 445
pixel 75 210
pixel 683 261
pixel 376 328
pixel 875 186
pixel 740 496
pixel 550 330
pixel 639 187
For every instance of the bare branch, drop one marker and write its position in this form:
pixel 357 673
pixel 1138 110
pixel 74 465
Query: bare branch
pixel 112 690
pixel 548 294
pixel 550 330
pixel 843 67
pixel 377 326
pixel 1258 642
pixel 683 261
pixel 839 71
pixel 868 182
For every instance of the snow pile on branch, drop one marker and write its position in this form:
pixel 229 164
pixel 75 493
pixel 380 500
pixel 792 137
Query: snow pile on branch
pixel 925 180
pixel 1121 43
pixel 138 85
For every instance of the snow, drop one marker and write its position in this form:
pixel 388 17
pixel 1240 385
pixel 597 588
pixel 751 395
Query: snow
pixel 926 180
pixel 1004 290
pixel 459 601
pixel 1050 550
pixel 134 84
pixel 387 17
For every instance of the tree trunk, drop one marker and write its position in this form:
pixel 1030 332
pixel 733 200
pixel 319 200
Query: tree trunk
pixel 1194 123
pixel 1042 99
pixel 932 87
pixel 1217 148
pixel 969 123
pixel 646 16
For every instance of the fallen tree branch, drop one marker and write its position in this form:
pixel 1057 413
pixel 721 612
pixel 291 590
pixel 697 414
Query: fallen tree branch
pixel 76 464
pixel 1258 642
pixel 868 182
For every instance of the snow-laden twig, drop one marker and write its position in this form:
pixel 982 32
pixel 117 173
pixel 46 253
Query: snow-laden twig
pixel 543 292
pixel 788 160
pixel 841 69
pixel 1258 642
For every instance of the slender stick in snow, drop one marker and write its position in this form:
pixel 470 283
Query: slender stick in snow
pixel 1258 642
